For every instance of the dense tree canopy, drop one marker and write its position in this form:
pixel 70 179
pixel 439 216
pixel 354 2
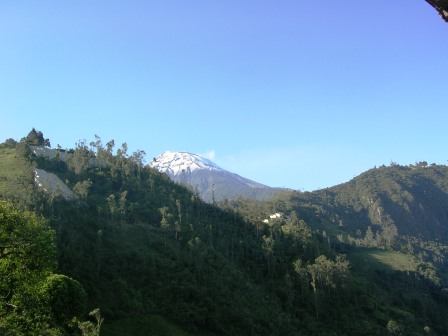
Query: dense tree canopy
pixel 36 138
pixel 367 257
pixel 32 299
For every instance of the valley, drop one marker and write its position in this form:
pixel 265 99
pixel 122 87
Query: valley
pixel 367 257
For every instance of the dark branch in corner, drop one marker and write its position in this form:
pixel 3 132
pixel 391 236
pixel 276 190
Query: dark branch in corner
pixel 441 7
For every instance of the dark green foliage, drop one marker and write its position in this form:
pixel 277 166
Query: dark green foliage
pixel 153 325
pixel 65 296
pixel 17 177
pixel 30 300
pixel 413 198
pixel 10 143
pixel 36 138
pixel 89 328
pixel 25 257
pixel 398 211
pixel 348 260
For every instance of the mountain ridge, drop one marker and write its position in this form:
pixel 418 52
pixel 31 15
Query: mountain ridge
pixel 175 163
pixel 346 260
pixel 210 181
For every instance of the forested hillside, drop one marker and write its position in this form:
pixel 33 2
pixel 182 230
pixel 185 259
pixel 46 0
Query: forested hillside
pixel 362 258
pixel 413 198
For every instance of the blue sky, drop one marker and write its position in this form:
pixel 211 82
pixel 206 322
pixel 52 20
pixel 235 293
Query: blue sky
pixel 294 94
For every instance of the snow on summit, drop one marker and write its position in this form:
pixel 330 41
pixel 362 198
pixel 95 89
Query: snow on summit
pixel 175 163
pixel 211 182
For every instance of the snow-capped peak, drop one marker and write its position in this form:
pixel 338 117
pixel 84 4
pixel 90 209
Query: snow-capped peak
pixel 175 163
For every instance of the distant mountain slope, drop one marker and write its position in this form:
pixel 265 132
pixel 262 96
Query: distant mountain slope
pixel 413 199
pixel 209 180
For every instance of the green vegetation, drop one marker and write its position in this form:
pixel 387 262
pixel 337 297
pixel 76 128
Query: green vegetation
pixel 33 300
pixel 153 325
pixel 16 176
pixel 386 260
pixel 156 260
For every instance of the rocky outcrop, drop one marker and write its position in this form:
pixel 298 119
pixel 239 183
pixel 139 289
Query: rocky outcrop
pixel 50 183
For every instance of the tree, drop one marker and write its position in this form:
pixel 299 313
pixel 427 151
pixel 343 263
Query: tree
pixel 89 328
pixel 79 161
pixel 393 327
pixel 165 222
pixel 122 207
pixel 106 155
pixel 101 154
pixel 301 272
pixel 297 229
pixel 178 223
pixel 112 206
pixel 322 273
pixel 369 239
pixel 36 138
pixel 82 188
pixel 138 158
pixel 10 143
pixel 65 296
pixel 389 235
pixel 27 253
pixel 27 260
pixel 325 274
pixel 268 247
